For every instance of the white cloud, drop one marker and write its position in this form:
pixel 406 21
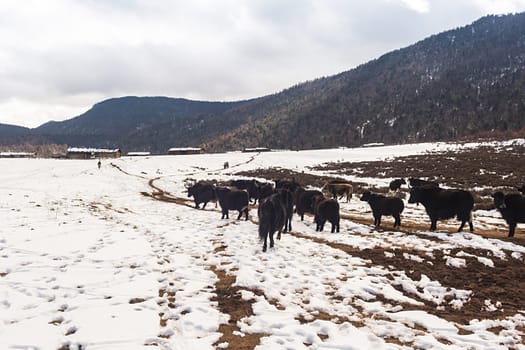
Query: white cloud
pixel 52 52
pixel 34 112
pixel 422 6
pixel 500 6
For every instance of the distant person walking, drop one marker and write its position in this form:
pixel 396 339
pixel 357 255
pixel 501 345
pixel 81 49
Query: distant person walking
pixel 99 164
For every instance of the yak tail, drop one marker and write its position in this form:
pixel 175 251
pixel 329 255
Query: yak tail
pixel 266 220
pixel 263 230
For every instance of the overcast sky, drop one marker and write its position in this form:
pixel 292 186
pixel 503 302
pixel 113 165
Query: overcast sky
pixel 59 57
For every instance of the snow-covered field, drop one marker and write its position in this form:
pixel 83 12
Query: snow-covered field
pixel 87 261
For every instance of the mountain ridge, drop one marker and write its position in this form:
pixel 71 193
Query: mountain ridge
pixel 384 100
pixel 460 82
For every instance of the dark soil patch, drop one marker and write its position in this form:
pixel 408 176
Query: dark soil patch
pixel 231 303
pixel 165 196
pixel 483 166
pixel 504 282
pixel 496 168
pixel 136 300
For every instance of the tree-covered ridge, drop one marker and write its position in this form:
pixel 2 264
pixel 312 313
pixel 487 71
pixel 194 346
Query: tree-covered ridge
pixel 461 82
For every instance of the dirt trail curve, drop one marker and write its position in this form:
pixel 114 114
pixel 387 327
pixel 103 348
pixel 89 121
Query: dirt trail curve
pixel 159 194
pixel 504 282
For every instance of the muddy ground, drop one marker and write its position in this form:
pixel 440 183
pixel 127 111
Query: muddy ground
pixel 482 171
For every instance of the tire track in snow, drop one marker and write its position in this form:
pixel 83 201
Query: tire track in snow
pixel 165 196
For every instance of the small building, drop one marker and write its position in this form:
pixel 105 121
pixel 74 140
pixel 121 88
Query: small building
pixel 185 150
pixel 257 149
pixel 138 154
pixel 17 154
pixel 92 153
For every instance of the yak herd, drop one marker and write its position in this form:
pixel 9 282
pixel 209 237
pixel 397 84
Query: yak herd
pixel 279 200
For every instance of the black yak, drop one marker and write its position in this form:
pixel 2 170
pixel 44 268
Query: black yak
pixel 304 202
pixel 202 192
pixel 326 210
pixel 443 204
pixel 382 205
pixel 339 189
pixel 395 185
pixel 251 186
pixel 232 199
pixel 272 217
pixel 413 182
pixel 512 209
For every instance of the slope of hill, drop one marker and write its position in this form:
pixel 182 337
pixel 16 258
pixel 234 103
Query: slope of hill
pixel 204 129
pixel 458 83
pixel 453 84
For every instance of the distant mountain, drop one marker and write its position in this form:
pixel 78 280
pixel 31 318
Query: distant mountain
pixel 458 83
pixel 12 134
pixel 133 122
pixel 7 130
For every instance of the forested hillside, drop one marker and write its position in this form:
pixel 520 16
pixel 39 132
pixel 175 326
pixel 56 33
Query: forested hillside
pixel 458 83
